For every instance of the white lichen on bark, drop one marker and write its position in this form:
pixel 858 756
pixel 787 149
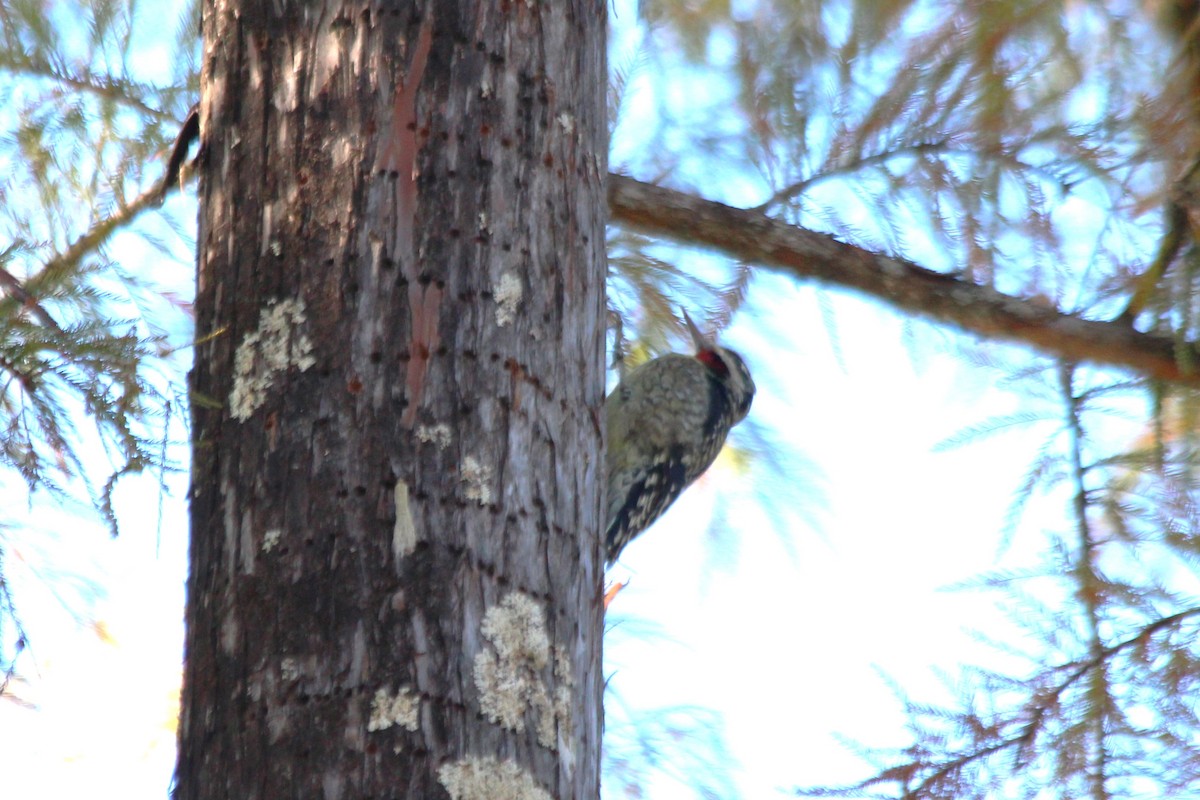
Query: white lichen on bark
pixel 508 294
pixel 438 434
pixel 489 779
pixel 270 539
pixel 276 345
pixel 509 675
pixel 477 477
pixel 402 708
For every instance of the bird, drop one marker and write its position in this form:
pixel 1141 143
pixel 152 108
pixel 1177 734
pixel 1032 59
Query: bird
pixel 667 420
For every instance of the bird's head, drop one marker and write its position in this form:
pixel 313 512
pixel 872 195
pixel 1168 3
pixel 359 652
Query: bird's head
pixel 726 366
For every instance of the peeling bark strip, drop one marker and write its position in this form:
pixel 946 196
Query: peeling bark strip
pixel 398 158
pixel 396 491
pixel 424 304
pixel 754 237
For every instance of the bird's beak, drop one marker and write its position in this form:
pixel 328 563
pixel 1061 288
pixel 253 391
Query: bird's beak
pixel 701 341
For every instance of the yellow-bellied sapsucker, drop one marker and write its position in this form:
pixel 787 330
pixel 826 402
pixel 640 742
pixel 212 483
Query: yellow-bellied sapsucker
pixel 667 421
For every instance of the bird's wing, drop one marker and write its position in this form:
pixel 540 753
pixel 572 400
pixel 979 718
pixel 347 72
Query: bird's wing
pixel 644 497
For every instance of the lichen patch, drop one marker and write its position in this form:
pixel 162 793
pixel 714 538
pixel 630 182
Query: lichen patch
pixel 276 345
pixel 387 710
pixel 438 434
pixel 478 478
pixel 509 675
pixel 508 293
pixel 489 779
pixel 270 539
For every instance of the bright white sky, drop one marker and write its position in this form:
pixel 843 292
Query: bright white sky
pixel 784 634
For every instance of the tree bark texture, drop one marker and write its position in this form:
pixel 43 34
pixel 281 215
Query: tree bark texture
pixel 397 475
pixel 756 238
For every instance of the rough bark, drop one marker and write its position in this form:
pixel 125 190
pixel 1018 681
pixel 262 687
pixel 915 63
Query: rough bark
pixel 395 566
pixel 756 238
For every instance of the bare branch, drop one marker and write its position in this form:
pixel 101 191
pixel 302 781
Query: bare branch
pixel 805 254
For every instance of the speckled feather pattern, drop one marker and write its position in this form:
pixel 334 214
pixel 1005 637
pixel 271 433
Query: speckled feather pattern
pixel 667 421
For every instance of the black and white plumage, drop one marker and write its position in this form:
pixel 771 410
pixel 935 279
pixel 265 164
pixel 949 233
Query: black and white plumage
pixel 667 421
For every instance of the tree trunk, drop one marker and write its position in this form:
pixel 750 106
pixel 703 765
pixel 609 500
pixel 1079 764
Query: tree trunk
pixel 395 564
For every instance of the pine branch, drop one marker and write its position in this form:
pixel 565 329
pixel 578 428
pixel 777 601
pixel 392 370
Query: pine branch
pixel 103 229
pixel 106 87
pixel 938 148
pixel 757 238
pixel 1088 588
pixel 1101 655
pixel 13 286
pixel 1042 705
